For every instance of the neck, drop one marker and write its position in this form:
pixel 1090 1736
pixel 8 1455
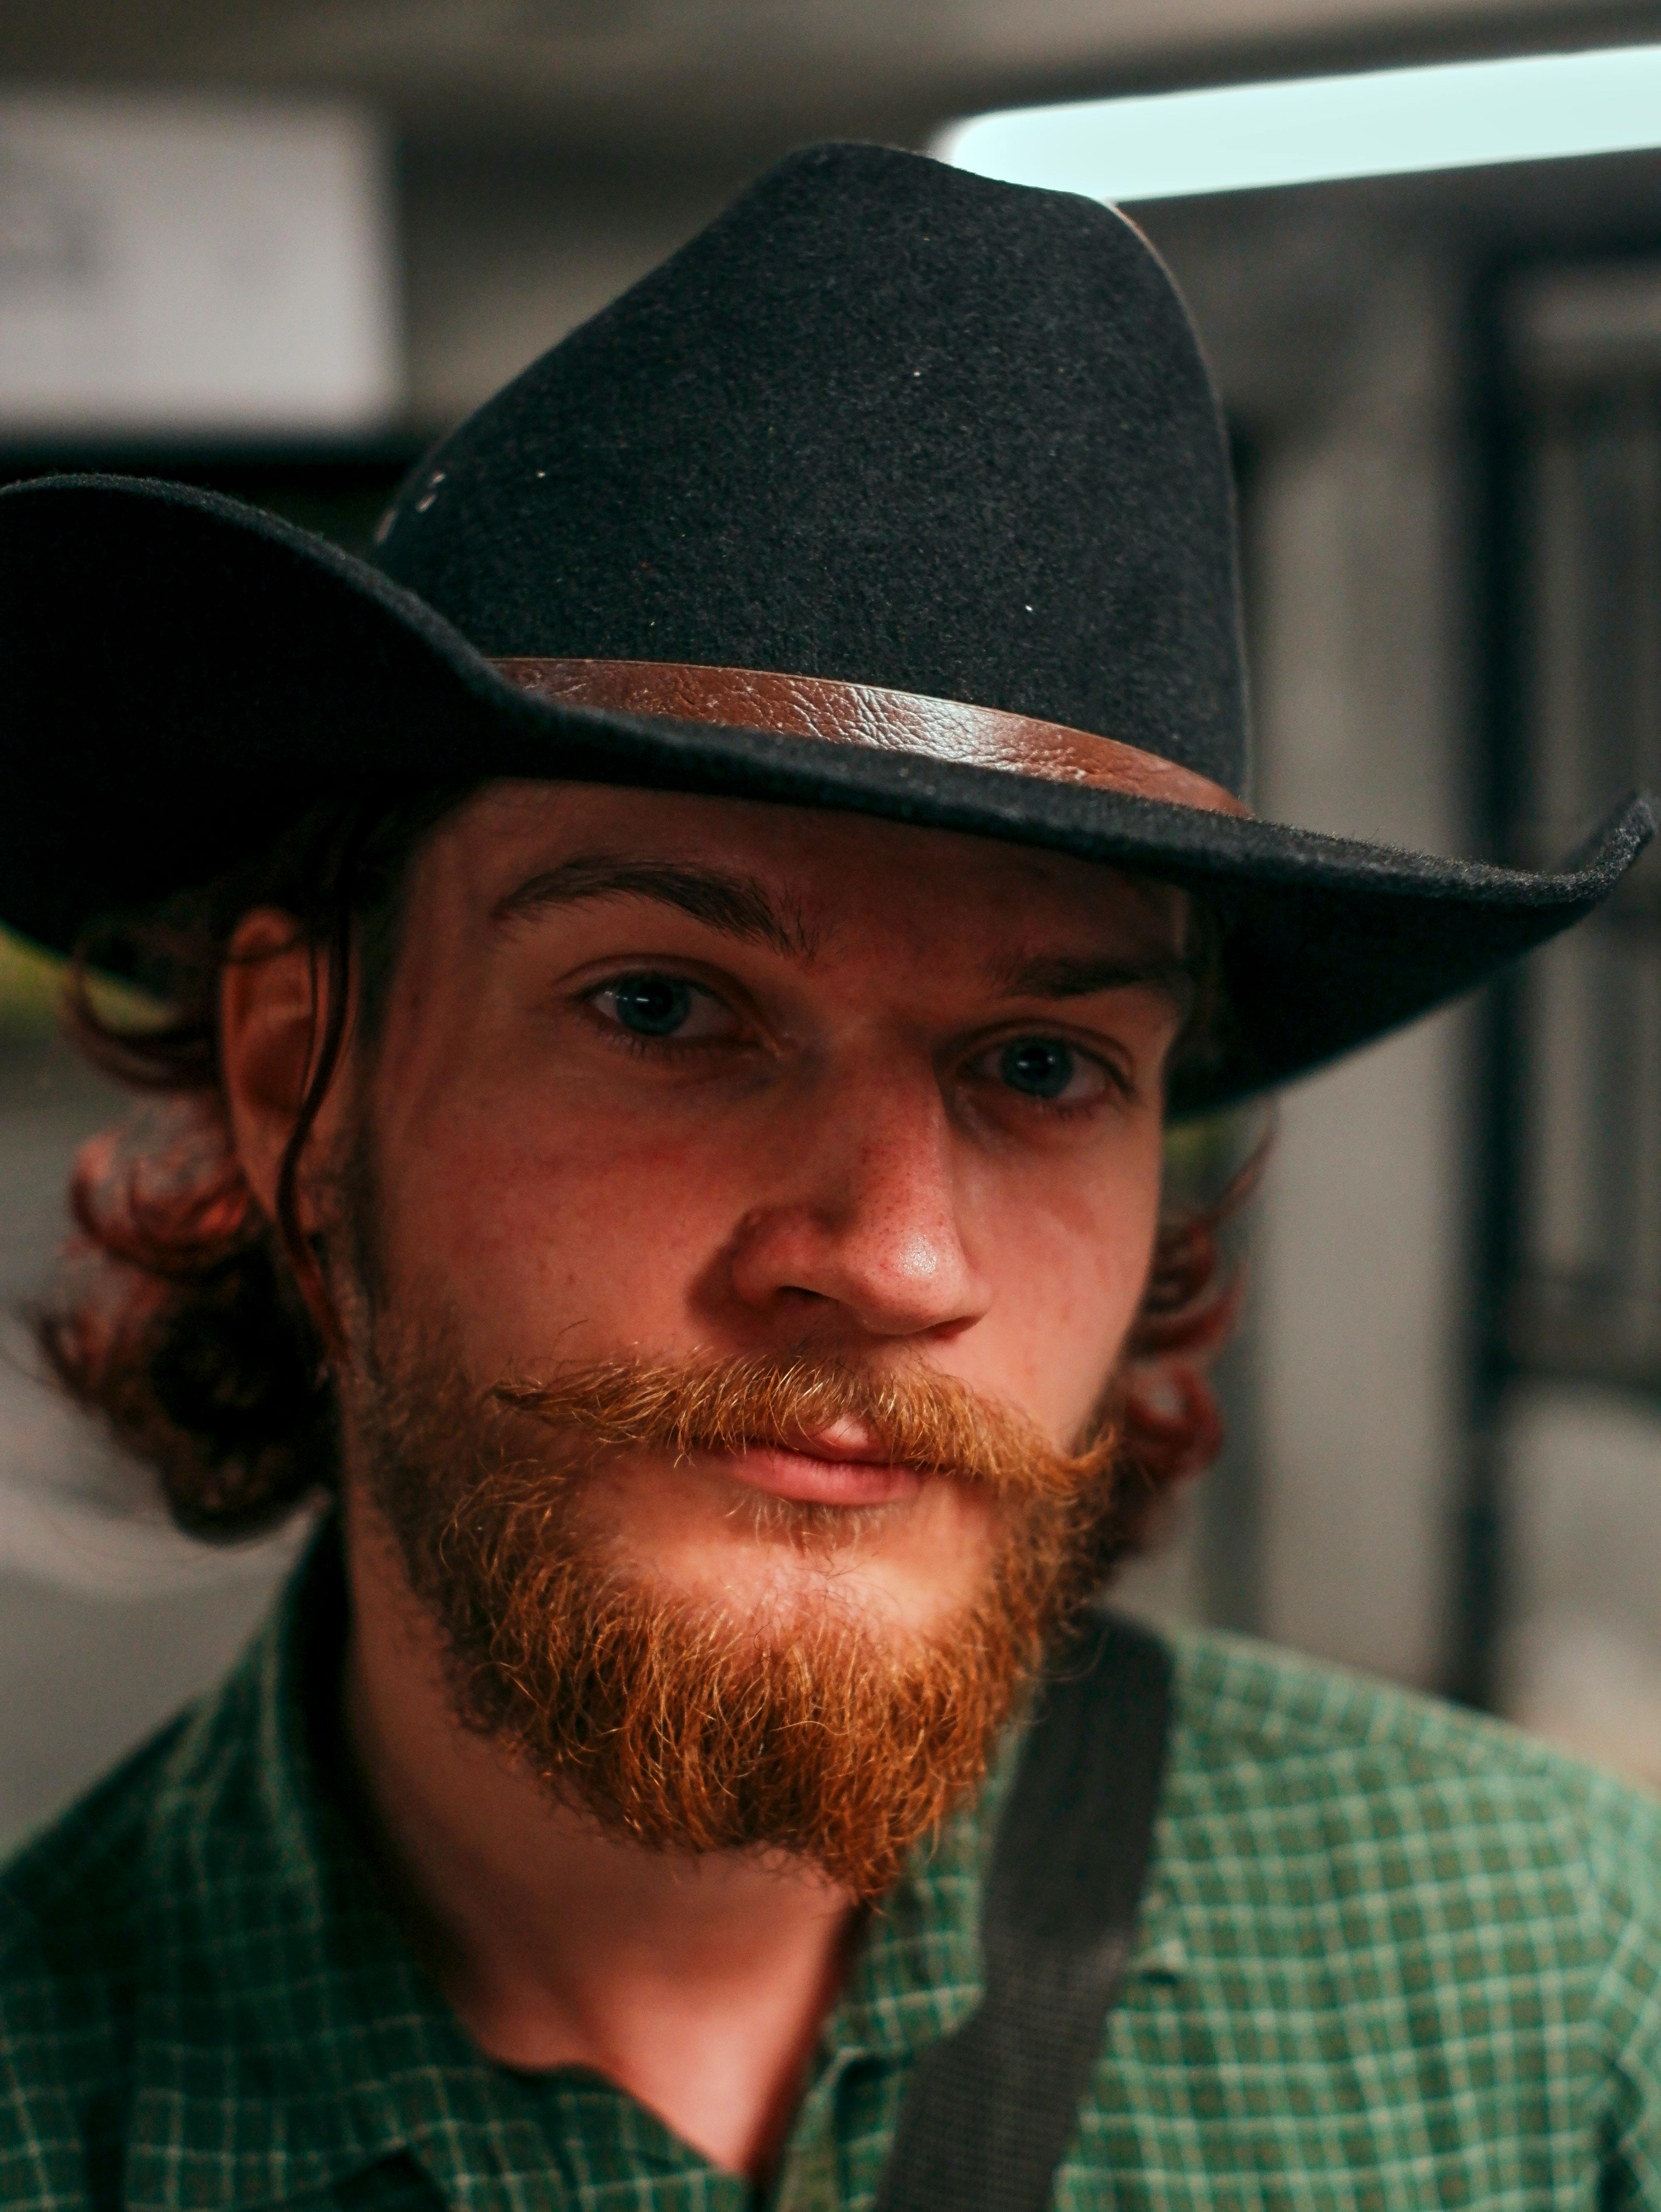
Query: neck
pixel 697 1985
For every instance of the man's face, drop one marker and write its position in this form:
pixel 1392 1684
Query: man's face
pixel 664 1077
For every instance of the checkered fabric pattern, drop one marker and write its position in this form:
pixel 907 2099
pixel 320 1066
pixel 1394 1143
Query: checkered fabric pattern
pixel 1390 1958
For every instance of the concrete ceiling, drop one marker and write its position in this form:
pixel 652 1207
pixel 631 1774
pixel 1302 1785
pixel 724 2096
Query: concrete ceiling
pixel 642 77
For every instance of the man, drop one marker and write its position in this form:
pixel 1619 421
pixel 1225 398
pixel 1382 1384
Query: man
pixel 660 1118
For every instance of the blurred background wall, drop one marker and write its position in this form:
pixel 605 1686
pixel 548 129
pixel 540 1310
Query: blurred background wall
pixel 1445 394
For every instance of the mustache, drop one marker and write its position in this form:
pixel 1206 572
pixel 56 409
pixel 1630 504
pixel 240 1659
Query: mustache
pixel 931 1423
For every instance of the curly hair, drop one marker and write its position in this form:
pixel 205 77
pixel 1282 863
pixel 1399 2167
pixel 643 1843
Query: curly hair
pixel 201 1331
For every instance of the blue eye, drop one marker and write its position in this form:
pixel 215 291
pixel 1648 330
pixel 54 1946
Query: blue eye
pixel 656 1008
pixel 649 1006
pixel 1039 1067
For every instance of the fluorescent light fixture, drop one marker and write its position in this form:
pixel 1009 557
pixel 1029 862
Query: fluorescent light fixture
pixel 180 267
pixel 1380 123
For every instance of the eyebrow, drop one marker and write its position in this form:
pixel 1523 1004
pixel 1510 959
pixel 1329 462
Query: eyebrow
pixel 1059 976
pixel 737 905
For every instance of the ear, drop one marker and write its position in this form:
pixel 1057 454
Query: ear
pixel 268 1022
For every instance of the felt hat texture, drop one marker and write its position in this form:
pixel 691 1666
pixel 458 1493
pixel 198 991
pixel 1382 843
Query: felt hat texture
pixel 882 422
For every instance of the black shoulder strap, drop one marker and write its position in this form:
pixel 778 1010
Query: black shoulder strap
pixel 992 2105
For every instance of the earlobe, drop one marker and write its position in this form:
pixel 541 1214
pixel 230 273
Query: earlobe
pixel 268 1022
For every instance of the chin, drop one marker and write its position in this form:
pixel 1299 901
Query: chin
pixel 778 1585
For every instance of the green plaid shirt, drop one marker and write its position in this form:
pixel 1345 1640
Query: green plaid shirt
pixel 1389 1958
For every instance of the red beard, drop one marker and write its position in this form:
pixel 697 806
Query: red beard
pixel 805 1730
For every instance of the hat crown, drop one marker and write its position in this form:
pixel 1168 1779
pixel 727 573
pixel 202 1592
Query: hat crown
pixel 882 422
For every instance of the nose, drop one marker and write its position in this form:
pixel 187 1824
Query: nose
pixel 869 1230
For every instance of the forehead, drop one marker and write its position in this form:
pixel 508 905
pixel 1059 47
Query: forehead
pixel 839 877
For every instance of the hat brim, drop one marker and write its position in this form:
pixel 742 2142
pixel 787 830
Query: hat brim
pixel 185 675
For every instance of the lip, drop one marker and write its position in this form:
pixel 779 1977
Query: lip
pixel 826 1474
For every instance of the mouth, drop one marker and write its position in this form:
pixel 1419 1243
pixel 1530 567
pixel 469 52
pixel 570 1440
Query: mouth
pixel 843 1465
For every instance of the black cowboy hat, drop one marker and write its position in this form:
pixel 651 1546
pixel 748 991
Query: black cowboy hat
pixel 945 449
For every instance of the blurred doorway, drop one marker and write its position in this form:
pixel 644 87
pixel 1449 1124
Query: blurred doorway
pixel 1572 1365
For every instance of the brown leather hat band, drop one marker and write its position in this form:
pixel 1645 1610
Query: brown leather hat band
pixel 862 714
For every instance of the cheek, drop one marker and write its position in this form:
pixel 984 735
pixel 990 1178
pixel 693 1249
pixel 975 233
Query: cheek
pixel 1067 1261
pixel 533 1225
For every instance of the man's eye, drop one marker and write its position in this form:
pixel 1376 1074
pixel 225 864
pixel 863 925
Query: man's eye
pixel 1044 1068
pixel 649 1006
